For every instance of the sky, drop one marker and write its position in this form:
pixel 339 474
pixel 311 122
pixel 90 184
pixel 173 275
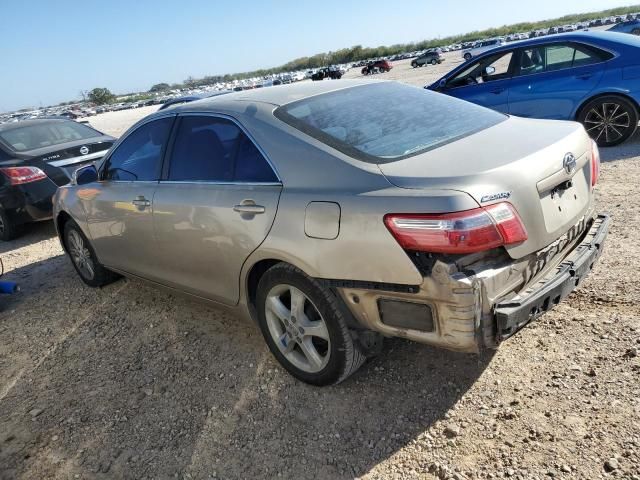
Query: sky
pixel 51 50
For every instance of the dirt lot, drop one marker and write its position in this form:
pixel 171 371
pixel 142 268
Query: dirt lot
pixel 129 382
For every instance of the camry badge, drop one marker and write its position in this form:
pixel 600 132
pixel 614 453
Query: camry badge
pixel 495 196
pixel 569 162
pixel 84 150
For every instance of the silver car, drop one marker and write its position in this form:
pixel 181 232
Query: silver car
pixel 338 213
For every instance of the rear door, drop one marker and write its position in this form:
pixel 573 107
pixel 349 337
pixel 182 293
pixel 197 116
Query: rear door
pixel 215 205
pixel 119 206
pixel 485 81
pixel 552 80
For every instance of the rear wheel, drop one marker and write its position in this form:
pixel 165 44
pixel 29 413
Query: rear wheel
pixel 83 257
pixel 609 120
pixel 434 61
pixel 8 230
pixel 305 327
pixel 414 64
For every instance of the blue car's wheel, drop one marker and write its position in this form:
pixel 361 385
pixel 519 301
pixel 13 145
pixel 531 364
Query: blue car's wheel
pixel 609 120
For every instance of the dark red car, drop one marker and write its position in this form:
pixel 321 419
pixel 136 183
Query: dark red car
pixel 379 66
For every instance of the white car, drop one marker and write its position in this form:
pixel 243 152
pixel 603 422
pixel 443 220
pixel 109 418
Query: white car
pixel 481 47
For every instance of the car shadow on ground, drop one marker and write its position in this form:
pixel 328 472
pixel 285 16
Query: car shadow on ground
pixel 628 149
pixel 130 382
pixel 31 233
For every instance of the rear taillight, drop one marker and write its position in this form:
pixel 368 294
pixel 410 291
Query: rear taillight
pixel 20 175
pixel 460 232
pixel 595 163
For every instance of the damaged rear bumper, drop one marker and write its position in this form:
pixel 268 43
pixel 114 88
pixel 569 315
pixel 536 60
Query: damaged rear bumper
pixel 514 314
pixel 476 302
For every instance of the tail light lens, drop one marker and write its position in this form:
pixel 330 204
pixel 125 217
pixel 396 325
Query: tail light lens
pixel 595 163
pixel 20 175
pixel 460 232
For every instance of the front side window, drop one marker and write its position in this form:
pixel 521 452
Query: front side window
pixel 384 122
pixel 213 149
pixel 487 69
pixel 139 156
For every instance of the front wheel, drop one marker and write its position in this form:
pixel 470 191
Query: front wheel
pixel 305 327
pixel 434 61
pixel 414 65
pixel 609 120
pixel 467 56
pixel 83 257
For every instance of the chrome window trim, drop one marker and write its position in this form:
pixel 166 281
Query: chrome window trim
pixel 243 130
pixel 208 182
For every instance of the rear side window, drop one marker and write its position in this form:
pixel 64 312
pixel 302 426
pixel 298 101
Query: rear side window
pixel 212 149
pixel 549 58
pixel 139 156
pixel 388 121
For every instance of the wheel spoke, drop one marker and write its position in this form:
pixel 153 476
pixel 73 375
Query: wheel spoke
pixel 599 124
pixel 286 342
pixel 623 114
pixel 310 352
pixel 275 305
pixel 599 134
pixel 316 329
pixel 616 130
pixel 597 114
pixel 617 107
pixel 297 303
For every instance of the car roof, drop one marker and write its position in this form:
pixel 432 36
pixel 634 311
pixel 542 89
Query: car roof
pixel 594 37
pixel 34 121
pixel 276 95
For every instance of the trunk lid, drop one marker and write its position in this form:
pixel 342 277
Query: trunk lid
pixel 61 161
pixel 520 161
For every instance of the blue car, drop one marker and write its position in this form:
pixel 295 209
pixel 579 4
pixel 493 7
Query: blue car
pixel 591 77
pixel 630 26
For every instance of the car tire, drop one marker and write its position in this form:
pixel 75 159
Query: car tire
pixel 609 120
pixel 83 257
pixel 636 31
pixel 434 61
pixel 467 56
pixel 414 65
pixel 326 357
pixel 8 229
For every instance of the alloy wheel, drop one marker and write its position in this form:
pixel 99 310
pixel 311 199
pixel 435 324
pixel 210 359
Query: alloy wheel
pixel 297 328
pixel 81 255
pixel 608 122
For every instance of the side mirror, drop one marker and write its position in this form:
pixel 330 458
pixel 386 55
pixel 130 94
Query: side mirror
pixel 85 175
pixel 490 70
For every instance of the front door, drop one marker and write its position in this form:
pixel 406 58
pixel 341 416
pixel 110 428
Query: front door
pixel 551 81
pixel 485 82
pixel 120 218
pixel 215 205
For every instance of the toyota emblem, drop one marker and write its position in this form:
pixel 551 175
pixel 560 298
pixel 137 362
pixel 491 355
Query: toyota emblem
pixel 569 163
pixel 84 150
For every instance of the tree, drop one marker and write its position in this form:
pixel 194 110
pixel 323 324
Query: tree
pixel 100 96
pixel 159 87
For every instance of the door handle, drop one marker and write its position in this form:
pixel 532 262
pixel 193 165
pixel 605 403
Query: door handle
pixel 497 90
pixel 140 201
pixel 584 76
pixel 250 208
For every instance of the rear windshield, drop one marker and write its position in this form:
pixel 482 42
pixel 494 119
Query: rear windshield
pixel 384 122
pixel 31 137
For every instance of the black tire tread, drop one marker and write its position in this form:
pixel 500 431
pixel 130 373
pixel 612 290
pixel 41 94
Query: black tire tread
pixel 11 230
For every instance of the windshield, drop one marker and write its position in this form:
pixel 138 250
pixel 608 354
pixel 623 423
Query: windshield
pixel 384 122
pixel 40 135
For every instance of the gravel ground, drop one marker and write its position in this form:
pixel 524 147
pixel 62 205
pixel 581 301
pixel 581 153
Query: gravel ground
pixel 130 382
